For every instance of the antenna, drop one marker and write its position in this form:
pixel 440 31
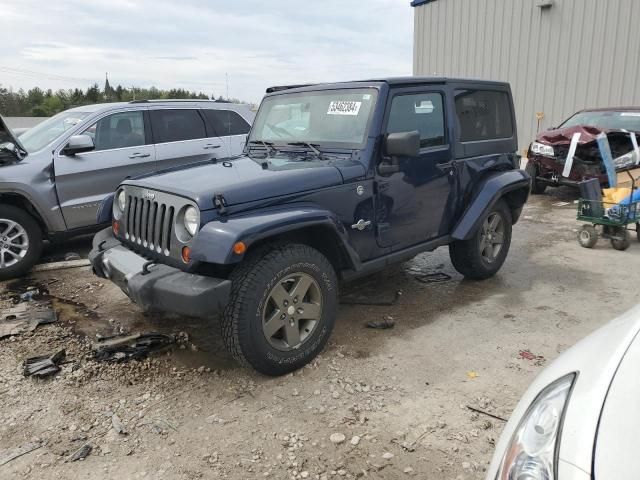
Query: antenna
pixel 227 77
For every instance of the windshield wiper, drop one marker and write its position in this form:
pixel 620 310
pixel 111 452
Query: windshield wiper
pixel 268 146
pixel 310 146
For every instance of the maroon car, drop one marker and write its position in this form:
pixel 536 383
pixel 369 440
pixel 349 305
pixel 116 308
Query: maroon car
pixel 548 154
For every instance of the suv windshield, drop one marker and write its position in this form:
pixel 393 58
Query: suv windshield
pixel 44 133
pixel 609 120
pixel 338 118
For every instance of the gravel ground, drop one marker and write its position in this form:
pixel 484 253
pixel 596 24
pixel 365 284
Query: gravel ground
pixel 376 404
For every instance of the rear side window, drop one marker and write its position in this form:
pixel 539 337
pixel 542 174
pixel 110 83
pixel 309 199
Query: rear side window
pixel 227 122
pixel 120 130
pixel 483 115
pixel 422 112
pixel 177 125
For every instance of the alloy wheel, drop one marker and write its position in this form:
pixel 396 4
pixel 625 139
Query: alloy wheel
pixel 14 243
pixel 292 312
pixel 492 237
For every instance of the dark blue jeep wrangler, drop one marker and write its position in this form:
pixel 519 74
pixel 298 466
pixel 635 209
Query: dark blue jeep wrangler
pixel 337 181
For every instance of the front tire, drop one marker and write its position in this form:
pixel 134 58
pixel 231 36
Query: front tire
pixel 20 242
pixel 282 309
pixel 537 188
pixel 482 255
pixel 588 236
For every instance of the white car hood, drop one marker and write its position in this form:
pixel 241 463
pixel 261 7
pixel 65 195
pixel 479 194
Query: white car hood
pixel 617 440
pixel 596 359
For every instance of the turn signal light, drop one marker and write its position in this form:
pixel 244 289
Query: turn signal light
pixel 116 227
pixel 186 254
pixel 239 248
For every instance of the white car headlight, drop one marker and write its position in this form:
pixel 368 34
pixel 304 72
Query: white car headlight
pixel 531 454
pixel 542 149
pixel 119 204
pixel 191 220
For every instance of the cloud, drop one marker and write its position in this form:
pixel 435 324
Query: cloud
pixel 195 44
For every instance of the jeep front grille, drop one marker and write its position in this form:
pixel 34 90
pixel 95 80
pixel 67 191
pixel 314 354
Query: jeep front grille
pixel 149 223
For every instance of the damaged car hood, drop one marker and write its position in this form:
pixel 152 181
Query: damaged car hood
pixel 239 181
pixel 563 136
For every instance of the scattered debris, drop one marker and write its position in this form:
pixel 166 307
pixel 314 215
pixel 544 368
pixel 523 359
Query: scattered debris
pixel 438 277
pixel 46 267
pixel 337 438
pixel 80 454
pixel 72 256
pixel 471 375
pixel 387 322
pixel 43 366
pixel 357 298
pixel 22 319
pixel 136 347
pixel 28 295
pixel 355 440
pixel 527 355
pixel 117 425
pixel 477 410
pixel 11 454
pixel 387 455
pixel 561 204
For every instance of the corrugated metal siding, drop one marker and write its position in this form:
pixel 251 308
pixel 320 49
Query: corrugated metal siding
pixel 574 55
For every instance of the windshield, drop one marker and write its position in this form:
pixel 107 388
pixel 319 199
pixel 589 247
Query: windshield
pixel 44 133
pixel 606 120
pixel 338 118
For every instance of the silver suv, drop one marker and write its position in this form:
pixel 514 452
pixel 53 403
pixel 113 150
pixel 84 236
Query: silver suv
pixel 54 176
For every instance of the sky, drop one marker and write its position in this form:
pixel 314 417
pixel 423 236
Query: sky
pixel 195 44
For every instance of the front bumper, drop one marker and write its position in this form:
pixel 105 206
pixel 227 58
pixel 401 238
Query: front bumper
pixel 154 286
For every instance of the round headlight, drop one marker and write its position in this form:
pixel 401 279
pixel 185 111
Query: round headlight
pixel 122 200
pixel 191 220
pixel 119 204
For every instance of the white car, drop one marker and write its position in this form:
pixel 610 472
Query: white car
pixel 580 419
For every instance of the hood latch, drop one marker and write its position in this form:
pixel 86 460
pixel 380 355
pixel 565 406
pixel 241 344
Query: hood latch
pixel 220 203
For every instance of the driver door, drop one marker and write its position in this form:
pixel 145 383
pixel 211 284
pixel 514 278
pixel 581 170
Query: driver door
pixel 123 149
pixel 412 204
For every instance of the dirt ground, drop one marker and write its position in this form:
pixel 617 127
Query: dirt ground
pixel 399 398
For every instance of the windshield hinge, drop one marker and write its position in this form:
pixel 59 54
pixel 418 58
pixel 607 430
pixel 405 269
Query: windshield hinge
pixel 220 203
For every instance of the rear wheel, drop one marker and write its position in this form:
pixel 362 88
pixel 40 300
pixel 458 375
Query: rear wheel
pixel 282 308
pixel 20 242
pixel 588 236
pixel 622 240
pixel 482 255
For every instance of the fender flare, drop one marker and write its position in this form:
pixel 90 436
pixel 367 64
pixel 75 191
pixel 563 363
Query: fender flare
pixel 105 209
pixel 513 184
pixel 214 242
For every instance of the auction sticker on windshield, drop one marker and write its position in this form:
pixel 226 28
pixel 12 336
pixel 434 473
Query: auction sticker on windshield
pixel 343 107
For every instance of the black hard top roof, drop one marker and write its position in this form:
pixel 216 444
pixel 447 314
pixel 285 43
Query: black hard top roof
pixel 390 81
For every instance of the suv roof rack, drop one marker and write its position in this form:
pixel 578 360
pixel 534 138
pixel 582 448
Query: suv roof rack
pixel 279 88
pixel 186 100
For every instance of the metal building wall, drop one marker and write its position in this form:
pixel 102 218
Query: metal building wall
pixel 573 55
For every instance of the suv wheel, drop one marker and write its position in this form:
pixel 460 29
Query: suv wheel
pixel 537 188
pixel 282 309
pixel 482 255
pixel 20 242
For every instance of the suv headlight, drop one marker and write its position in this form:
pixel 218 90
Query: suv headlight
pixel 532 452
pixel 191 220
pixel 542 149
pixel 118 204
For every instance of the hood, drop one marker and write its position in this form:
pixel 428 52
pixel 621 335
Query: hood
pixel 563 136
pixel 239 181
pixel 616 447
pixel 6 135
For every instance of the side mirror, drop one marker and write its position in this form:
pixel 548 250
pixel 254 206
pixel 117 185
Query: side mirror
pixel 405 144
pixel 79 144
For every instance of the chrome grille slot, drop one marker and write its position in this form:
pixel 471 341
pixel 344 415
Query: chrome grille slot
pixel 148 220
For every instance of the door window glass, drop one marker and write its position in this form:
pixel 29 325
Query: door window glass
pixel 227 122
pixel 483 115
pixel 422 112
pixel 119 130
pixel 177 125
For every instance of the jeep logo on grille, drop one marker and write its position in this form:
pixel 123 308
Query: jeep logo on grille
pixel 147 195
